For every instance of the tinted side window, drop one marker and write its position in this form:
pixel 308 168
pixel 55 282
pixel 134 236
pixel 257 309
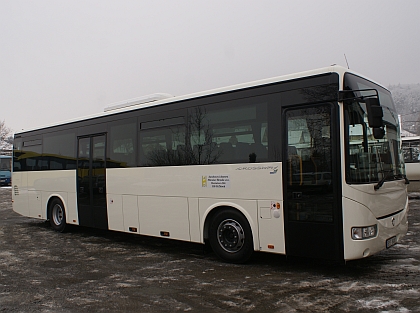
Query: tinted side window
pixel 238 134
pixel 122 144
pixel 17 155
pixel 28 155
pixel 162 143
pixel 228 132
pixel 59 151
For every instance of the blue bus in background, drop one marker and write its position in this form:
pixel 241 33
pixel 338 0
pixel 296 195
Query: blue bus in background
pixel 5 173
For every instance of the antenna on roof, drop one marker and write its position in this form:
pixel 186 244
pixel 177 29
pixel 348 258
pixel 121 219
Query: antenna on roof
pixel 346 61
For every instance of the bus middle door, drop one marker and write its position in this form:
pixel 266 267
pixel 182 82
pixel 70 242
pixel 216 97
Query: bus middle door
pixel 91 181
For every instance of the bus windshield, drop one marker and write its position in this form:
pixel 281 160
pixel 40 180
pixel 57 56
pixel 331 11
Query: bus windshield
pixel 369 159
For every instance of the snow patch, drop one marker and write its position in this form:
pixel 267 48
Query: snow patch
pixel 376 303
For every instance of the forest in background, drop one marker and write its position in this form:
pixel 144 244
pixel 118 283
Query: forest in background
pixel 407 102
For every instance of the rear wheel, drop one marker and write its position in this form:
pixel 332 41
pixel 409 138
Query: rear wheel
pixel 231 236
pixel 57 215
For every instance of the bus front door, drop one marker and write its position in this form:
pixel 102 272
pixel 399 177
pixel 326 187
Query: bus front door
pixel 313 226
pixel 91 181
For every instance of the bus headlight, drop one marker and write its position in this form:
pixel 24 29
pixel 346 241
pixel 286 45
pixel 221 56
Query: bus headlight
pixel 360 233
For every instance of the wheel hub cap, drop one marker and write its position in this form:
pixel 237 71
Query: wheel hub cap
pixel 57 214
pixel 230 235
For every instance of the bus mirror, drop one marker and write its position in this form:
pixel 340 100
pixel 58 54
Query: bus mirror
pixel 378 132
pixel 374 111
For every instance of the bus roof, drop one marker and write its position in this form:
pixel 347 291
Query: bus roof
pixel 141 102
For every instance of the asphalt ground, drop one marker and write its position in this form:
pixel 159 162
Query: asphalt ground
pixel 87 270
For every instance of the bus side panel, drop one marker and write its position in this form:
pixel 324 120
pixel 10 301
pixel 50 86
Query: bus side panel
pixel 357 215
pixel 115 212
pixel 196 233
pixel 164 216
pixel 42 185
pixel 271 221
pixel 19 193
pixel 71 208
pixel 241 181
pixel 35 204
pixel 171 193
pixel 131 214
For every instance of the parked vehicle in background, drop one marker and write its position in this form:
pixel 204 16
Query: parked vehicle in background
pixel 411 151
pixel 5 178
pixel 5 170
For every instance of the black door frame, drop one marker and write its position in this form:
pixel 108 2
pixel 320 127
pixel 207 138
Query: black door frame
pixel 91 198
pixel 315 239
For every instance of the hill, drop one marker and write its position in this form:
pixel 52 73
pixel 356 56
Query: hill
pixel 407 103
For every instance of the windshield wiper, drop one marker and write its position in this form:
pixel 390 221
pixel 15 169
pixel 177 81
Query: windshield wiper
pixel 384 178
pixel 390 174
pixel 405 178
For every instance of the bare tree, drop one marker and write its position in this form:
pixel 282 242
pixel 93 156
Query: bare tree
pixel 202 149
pixel 6 137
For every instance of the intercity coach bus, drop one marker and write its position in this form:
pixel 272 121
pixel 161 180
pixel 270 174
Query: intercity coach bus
pixel 308 165
pixel 411 151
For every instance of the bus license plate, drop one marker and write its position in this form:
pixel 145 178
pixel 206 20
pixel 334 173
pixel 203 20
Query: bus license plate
pixel 391 241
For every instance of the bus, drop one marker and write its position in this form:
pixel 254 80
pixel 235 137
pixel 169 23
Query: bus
pixel 411 151
pixel 305 165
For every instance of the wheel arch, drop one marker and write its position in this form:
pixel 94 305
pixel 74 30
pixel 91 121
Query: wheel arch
pixel 217 207
pixel 48 204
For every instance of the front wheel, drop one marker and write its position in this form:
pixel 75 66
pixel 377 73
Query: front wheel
pixel 230 236
pixel 57 215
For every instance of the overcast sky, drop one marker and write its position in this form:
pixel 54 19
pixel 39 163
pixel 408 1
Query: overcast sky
pixel 63 59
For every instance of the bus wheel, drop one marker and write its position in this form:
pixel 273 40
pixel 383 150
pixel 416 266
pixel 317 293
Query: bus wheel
pixel 57 215
pixel 230 236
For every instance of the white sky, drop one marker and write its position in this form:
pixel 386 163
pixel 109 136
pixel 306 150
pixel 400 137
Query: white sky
pixel 62 59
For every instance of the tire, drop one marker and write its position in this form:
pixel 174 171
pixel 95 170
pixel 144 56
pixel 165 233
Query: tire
pixel 230 236
pixel 57 215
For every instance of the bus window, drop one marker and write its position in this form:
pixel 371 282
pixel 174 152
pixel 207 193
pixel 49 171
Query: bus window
pixel 57 152
pixel 238 134
pixel 164 146
pixel 123 138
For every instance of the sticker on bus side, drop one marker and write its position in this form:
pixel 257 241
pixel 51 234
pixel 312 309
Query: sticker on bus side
pixel 215 181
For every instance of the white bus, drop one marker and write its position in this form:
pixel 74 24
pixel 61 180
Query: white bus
pixel 411 150
pixel 307 164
